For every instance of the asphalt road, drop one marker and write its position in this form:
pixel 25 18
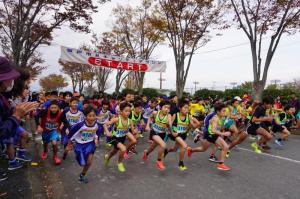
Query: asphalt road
pixel 275 175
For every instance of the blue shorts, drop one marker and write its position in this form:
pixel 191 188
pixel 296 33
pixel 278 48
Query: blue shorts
pixel 100 132
pixel 50 136
pixel 82 151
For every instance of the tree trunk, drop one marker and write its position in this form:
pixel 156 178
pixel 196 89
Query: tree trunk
pixel 258 88
pixel 118 82
pixel 141 82
pixel 179 79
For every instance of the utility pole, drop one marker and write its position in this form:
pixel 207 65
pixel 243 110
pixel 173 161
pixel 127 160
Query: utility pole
pixel 196 83
pixel 275 82
pixel 161 80
pixel 233 84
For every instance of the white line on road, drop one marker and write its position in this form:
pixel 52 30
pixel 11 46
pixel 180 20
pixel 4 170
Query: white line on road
pixel 274 156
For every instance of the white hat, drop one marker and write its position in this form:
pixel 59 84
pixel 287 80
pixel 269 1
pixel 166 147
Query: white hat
pixel 237 98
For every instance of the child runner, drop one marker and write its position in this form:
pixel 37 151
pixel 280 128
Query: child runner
pixel 283 123
pixel 256 124
pixel 70 117
pixel 213 135
pixel 85 136
pixel 138 124
pixel 104 115
pixel 120 131
pixel 50 123
pixel 162 122
pixel 181 123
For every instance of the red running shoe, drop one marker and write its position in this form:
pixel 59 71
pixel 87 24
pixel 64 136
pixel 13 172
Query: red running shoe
pixel 145 156
pixel 160 165
pixel 189 152
pixel 223 167
pixel 126 156
pixel 57 161
pixel 44 155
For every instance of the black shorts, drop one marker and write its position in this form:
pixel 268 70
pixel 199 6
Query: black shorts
pixel 252 128
pixel 277 128
pixel 212 138
pixel 182 135
pixel 116 140
pixel 161 135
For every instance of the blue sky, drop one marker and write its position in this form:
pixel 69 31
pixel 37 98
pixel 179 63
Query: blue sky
pixel 218 68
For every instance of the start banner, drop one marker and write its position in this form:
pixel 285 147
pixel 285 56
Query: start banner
pixel 109 61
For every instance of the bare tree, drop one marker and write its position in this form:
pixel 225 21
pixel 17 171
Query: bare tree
pixel 187 24
pixel 136 30
pixel 260 19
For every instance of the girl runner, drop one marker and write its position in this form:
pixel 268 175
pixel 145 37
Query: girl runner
pixel 85 136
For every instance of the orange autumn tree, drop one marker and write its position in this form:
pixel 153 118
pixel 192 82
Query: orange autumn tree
pixel 53 82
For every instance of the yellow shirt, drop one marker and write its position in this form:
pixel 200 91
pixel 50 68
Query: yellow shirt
pixel 196 109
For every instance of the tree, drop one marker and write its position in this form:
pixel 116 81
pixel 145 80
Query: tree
pixel 260 19
pixel 187 24
pixel 53 82
pixel 137 32
pixel 27 24
pixel 130 82
pixel 102 78
pixel 246 86
pixel 78 73
pixel 109 43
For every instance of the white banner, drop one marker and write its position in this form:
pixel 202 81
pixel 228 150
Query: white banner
pixel 109 61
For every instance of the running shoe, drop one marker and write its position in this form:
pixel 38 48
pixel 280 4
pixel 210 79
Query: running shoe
pixel 121 167
pixel 3 176
pixel 57 161
pixel 213 158
pixel 145 156
pixel 279 143
pixel 44 155
pixel 160 165
pixel 106 161
pixel 182 168
pixel 14 164
pixel 223 167
pixel 255 148
pixel 21 155
pixel 83 179
pixel 126 156
pixel 189 152
pixel 108 145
